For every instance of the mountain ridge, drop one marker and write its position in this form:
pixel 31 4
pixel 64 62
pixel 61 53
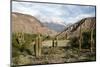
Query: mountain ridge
pixel 85 26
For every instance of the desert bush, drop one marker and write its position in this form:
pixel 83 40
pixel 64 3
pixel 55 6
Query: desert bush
pixel 74 42
pixel 14 41
pixel 15 46
pixel 46 37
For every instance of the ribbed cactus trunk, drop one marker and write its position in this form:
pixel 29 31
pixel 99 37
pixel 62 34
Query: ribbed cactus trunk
pixel 56 42
pixel 80 39
pixel 66 36
pixel 38 45
pixel 53 43
pixel 91 41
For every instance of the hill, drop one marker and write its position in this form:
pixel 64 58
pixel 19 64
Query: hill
pixel 85 26
pixel 29 24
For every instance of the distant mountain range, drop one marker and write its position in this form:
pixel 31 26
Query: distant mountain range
pixel 30 24
pixel 55 26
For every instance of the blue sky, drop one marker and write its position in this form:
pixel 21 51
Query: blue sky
pixel 57 13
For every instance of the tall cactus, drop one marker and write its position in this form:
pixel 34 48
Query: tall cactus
pixel 91 40
pixel 56 42
pixel 20 38
pixel 80 40
pixel 38 46
pixel 66 36
pixel 53 43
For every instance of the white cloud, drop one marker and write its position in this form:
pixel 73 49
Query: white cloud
pixel 54 12
pixel 79 17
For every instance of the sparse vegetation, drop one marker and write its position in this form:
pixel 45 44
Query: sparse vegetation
pixel 74 42
pixel 86 37
pixel 49 54
pixel 42 48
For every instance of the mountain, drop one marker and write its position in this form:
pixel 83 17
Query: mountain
pixel 86 26
pixel 54 26
pixel 89 21
pixel 29 24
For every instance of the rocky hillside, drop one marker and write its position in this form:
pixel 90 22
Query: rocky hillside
pixel 84 27
pixel 87 25
pixel 29 24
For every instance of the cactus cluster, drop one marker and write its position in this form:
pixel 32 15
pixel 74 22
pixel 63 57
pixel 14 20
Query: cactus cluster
pixel 91 40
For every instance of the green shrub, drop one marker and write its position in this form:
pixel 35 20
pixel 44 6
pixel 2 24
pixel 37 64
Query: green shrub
pixel 17 49
pixel 74 42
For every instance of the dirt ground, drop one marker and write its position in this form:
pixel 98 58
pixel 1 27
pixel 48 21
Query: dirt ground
pixel 57 55
pixel 51 55
pixel 63 55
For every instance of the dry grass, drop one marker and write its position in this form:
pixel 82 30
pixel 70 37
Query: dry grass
pixel 56 55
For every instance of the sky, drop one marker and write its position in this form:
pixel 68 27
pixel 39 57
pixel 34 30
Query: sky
pixel 56 13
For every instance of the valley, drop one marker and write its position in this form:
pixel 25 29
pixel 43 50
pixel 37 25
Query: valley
pixel 33 42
